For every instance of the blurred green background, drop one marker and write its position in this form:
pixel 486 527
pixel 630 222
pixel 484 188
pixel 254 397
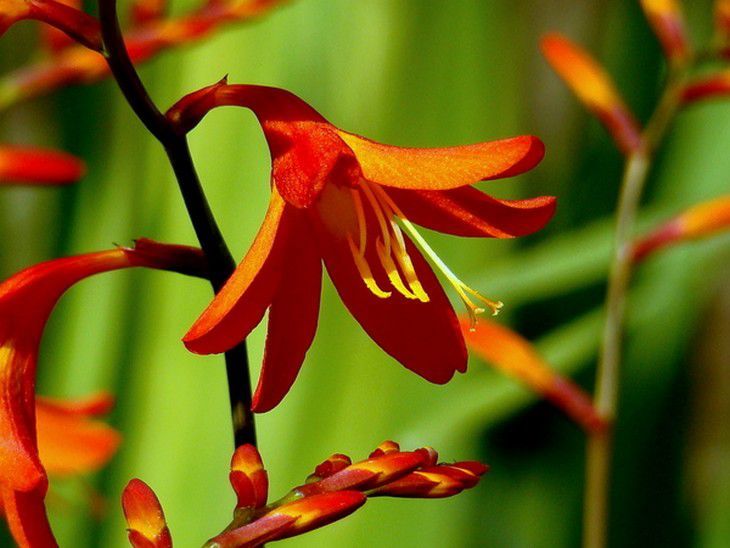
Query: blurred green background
pixel 406 72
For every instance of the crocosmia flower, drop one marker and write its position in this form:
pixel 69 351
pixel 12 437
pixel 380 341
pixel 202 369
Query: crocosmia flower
pixel 353 204
pixel 26 301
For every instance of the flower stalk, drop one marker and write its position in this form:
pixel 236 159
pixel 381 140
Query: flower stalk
pixel 211 240
pixel 599 451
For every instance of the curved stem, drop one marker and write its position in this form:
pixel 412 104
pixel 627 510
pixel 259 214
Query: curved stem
pixel 600 445
pixel 207 231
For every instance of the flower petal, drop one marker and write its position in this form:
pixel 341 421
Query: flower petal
pixel 470 212
pixel 26 516
pixel 69 442
pixel 424 337
pixel 241 304
pixel 444 168
pixel 667 22
pixel 38 166
pixel 292 319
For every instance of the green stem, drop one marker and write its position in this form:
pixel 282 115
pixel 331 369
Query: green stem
pixel 599 452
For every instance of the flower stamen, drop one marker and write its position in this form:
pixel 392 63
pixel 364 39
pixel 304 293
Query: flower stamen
pixel 365 273
pixel 461 288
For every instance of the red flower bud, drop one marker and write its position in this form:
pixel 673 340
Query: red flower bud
pixel 248 478
pixel 145 518
pixel 443 480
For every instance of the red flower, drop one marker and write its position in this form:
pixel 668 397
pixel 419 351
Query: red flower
pixel 26 301
pixel 353 203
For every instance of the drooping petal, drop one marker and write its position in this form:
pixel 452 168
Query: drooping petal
pixel 470 212
pixel 241 304
pixel 38 166
pixel 594 87
pixel 516 357
pixel 69 442
pixel 444 168
pixel 26 516
pixel 292 319
pixel 145 518
pixel 423 336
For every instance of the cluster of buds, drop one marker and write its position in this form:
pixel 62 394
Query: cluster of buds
pixel 337 488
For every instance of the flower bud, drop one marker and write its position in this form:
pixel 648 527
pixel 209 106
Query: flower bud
pixel 443 480
pixel 145 518
pixel 248 478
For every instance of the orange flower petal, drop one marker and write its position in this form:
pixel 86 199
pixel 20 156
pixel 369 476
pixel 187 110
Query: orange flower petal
pixel 469 212
pixel 667 21
pixel 594 88
pixel 26 517
pixel 699 221
pixel 38 166
pixel 69 443
pixel 292 319
pixel 145 518
pixel 424 337
pixel 444 168
pixel 241 304
pixel 516 357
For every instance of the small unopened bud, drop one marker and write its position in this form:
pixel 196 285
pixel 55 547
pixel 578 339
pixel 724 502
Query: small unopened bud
pixel 385 448
pixel 443 480
pixel 332 465
pixel 145 518
pixel 248 478
pixel 191 109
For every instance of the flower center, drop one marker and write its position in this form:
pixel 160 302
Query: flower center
pixel 393 255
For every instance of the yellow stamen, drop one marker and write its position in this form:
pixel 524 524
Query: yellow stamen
pixel 375 204
pixel 392 271
pixel 364 269
pixel 461 288
pixel 361 225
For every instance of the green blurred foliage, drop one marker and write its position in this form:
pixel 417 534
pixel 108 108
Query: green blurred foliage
pixel 414 73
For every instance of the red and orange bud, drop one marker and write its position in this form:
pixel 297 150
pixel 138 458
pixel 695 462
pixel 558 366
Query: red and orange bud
pixel 713 86
pixel 594 88
pixel 666 20
pixel 38 166
pixel 368 474
pixel 332 465
pixel 440 481
pixel 146 523
pixel 385 448
pixel 77 24
pixel 292 519
pixel 700 221
pixel 248 478
pixel 516 357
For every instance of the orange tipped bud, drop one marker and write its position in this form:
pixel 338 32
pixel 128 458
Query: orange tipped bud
pixel 191 109
pixel 292 519
pixel 332 465
pixel 385 448
pixel 708 87
pixel 699 221
pixel 145 518
pixel 443 480
pixel 667 22
pixel 516 357
pixel 594 88
pixel 248 478
pixel 38 166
